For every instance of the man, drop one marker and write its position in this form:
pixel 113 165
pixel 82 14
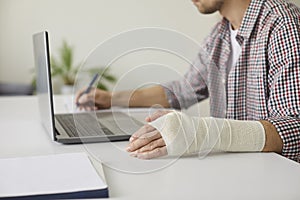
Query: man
pixel 256 48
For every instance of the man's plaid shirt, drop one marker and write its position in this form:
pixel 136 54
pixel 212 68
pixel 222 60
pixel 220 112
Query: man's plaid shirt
pixel 265 82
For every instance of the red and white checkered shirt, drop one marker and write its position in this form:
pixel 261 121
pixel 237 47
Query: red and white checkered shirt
pixel 265 82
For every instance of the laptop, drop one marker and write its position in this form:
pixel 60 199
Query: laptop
pixel 80 127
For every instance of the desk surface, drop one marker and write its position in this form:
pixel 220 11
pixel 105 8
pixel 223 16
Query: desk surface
pixel 218 176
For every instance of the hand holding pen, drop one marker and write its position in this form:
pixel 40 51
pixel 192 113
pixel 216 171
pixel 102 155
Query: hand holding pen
pixel 87 90
pixel 92 98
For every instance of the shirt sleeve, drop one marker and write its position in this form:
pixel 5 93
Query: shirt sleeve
pixel 192 88
pixel 284 87
pixel 189 90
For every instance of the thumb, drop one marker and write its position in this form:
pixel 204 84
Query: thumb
pixel 157 115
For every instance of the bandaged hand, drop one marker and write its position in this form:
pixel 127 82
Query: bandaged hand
pixel 177 134
pixel 147 142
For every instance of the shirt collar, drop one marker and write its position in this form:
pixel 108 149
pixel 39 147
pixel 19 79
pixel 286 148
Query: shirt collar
pixel 248 22
pixel 224 28
pixel 250 18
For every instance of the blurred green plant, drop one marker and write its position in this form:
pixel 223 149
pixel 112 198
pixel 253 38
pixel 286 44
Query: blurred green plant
pixel 63 66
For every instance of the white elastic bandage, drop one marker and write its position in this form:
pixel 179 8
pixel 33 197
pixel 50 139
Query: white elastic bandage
pixel 186 135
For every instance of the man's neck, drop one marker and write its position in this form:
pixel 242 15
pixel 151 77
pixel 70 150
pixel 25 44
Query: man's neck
pixel 234 11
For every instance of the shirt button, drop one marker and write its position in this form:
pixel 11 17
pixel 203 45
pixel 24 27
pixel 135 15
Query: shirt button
pixel 223 80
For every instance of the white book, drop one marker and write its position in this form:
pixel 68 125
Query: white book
pixel 56 176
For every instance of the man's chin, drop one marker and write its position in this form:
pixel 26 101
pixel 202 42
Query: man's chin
pixel 206 11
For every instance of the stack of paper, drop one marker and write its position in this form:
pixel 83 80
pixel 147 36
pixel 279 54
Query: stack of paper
pixel 50 177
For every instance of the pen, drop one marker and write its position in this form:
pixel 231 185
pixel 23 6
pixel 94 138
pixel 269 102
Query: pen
pixel 88 89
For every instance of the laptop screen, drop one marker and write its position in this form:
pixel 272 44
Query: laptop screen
pixel 43 81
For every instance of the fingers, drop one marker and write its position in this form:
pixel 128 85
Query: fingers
pixel 94 100
pixel 147 143
pixel 85 101
pixel 143 140
pixel 157 115
pixel 152 145
pixel 79 96
pixel 158 152
pixel 142 131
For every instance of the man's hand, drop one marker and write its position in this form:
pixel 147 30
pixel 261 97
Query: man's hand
pixel 94 100
pixel 147 142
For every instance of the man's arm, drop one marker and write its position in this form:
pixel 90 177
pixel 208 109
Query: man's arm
pixel 146 97
pixel 100 99
pixel 182 134
pixel 284 85
pixel 273 140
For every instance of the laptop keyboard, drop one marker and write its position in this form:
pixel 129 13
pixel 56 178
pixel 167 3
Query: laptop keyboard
pixel 86 125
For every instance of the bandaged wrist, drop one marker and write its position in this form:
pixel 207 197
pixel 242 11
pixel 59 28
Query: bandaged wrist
pixel 186 135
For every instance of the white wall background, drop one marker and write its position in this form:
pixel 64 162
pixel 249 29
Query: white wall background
pixel 86 23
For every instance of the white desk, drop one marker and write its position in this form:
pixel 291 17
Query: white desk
pixel 219 176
